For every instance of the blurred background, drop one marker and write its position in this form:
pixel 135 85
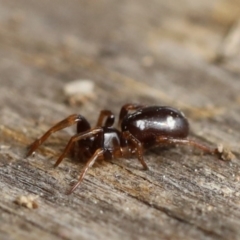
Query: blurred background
pixel 80 56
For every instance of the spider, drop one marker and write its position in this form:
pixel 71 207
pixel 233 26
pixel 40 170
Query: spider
pixel 142 127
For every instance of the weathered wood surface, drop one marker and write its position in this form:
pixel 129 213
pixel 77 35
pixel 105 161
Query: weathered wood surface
pixel 182 53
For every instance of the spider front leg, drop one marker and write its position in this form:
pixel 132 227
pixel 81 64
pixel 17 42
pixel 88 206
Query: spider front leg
pixel 97 155
pixel 75 138
pixel 70 120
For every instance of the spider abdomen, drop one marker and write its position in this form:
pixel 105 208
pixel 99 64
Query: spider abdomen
pixel 150 122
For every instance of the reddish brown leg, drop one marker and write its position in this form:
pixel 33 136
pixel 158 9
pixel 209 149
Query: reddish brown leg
pixel 125 109
pixel 75 138
pixel 70 120
pixel 193 143
pixel 138 146
pixel 106 118
pixel 97 155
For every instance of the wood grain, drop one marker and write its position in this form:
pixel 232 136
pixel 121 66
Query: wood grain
pixel 151 52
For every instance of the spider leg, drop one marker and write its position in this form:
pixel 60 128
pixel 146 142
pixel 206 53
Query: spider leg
pixel 190 142
pixel 97 155
pixel 138 146
pixel 70 120
pixel 125 109
pixel 106 118
pixel 75 138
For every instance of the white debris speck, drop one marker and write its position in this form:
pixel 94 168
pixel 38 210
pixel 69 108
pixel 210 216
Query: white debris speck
pixel 224 153
pixel 27 201
pixel 78 87
pixel 220 148
pixel 4 147
pixel 79 90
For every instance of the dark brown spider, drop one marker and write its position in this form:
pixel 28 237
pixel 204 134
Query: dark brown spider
pixel 141 129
